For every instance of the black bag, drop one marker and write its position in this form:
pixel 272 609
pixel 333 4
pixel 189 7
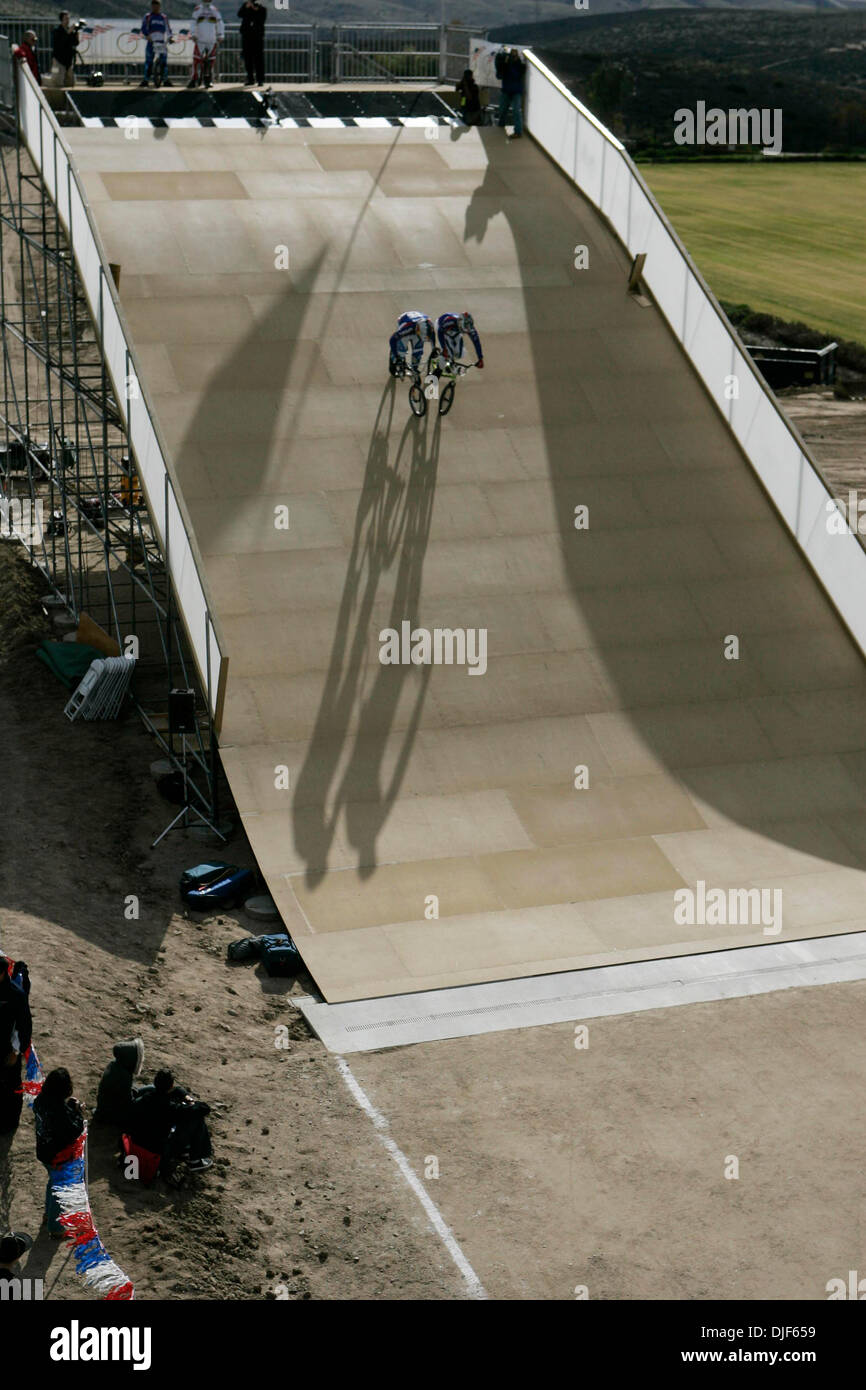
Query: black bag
pixel 248 948
pixel 280 955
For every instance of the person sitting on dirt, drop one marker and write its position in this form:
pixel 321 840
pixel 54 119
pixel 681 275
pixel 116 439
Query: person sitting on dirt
pixel 116 1091
pixel 59 1121
pixel 157 30
pixel 450 329
pixel 414 332
pixel 469 94
pixel 166 1120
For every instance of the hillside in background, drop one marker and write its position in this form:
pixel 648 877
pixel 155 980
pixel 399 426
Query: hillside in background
pixel 636 70
pixel 483 13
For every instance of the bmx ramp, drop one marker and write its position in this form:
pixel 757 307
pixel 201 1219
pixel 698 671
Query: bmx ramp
pixel 422 789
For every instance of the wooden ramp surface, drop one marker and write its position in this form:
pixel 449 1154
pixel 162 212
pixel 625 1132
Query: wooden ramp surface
pixel 606 646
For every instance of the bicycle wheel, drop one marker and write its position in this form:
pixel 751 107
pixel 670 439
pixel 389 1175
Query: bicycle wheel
pixel 417 400
pixel 446 398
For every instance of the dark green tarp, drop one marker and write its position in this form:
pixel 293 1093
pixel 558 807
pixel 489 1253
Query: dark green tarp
pixel 68 661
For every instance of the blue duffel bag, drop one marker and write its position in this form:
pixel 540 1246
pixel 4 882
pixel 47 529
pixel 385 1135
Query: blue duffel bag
pixel 216 885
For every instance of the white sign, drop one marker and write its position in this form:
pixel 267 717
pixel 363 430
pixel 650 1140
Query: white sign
pixel 121 41
pixel 481 56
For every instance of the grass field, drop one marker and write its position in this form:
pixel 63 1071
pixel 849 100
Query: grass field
pixel 786 239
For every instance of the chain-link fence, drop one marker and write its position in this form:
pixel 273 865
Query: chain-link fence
pixel 297 53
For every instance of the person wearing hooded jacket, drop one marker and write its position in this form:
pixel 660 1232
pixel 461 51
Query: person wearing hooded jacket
pixel 116 1090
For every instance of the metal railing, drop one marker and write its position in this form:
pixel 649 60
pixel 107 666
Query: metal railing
pixel 296 53
pixel 290 54
pixel 381 53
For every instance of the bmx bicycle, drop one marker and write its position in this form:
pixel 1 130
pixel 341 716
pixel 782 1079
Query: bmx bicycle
pixel 418 390
pixel 444 368
pixel 425 387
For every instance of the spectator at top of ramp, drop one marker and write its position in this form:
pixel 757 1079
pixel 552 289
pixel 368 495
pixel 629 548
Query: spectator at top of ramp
pixel 25 52
pixel 253 17
pixel 64 49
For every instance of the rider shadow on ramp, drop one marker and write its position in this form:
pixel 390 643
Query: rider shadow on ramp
pixel 370 714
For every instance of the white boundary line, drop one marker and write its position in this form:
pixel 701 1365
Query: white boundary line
pixel 474 1287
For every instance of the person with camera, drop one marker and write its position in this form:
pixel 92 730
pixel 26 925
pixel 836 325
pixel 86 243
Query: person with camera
pixel 511 71
pixel 64 49
pixel 252 16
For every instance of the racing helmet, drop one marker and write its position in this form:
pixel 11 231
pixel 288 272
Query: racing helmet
pixel 465 321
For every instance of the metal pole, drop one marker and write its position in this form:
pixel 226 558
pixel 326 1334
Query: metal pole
pixel 443 43
pixel 169 595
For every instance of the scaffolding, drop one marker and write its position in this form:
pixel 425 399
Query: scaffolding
pixel 69 486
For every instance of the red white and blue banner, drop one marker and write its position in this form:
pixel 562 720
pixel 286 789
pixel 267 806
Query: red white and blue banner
pixel 121 41
pixel 67 1177
pixel 68 1180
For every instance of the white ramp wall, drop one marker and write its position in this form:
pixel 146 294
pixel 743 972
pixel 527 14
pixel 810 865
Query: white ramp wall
pixel 605 173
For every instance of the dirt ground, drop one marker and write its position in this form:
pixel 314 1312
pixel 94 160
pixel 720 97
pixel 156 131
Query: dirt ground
pixel 604 1168
pixel 302 1195
pixel 835 430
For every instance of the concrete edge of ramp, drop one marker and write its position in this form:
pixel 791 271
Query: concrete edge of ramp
pixel 466 1011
